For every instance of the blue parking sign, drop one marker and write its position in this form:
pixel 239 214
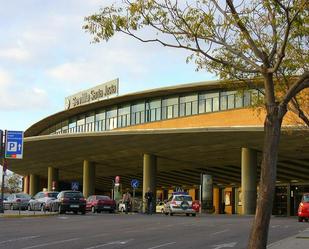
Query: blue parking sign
pixel 14 143
pixel 75 186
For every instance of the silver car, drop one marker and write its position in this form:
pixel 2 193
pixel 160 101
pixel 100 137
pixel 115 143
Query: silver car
pixel 41 201
pixel 179 204
pixel 17 201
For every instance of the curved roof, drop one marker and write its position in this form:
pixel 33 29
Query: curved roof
pixel 38 127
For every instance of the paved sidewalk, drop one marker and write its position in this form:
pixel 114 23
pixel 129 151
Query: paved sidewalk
pixel 299 241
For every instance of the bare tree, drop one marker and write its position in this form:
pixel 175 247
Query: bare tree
pixel 236 40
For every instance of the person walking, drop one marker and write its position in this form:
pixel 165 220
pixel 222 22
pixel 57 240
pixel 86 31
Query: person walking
pixel 127 200
pixel 149 199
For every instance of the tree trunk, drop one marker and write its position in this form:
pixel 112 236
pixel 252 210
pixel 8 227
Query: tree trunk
pixel 272 129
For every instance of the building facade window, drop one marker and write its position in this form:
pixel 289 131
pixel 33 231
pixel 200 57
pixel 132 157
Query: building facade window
pixel 188 105
pixel 124 116
pixel 170 107
pixel 100 120
pixel 90 124
pixel 208 102
pixel 138 113
pixel 111 118
pixel 152 110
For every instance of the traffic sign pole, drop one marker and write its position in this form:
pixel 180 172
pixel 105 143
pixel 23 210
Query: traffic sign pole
pixel 3 165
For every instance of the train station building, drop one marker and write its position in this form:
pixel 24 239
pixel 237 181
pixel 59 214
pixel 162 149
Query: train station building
pixel 166 138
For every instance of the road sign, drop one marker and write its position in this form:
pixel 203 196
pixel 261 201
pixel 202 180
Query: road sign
pixel 134 183
pixel 14 144
pixel 75 186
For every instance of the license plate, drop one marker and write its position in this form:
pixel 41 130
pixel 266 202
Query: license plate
pixel 74 206
pixel 107 207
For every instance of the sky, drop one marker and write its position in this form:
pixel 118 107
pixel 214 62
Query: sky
pixel 45 55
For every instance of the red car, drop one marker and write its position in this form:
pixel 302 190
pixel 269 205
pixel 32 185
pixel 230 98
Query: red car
pixel 303 209
pixel 98 203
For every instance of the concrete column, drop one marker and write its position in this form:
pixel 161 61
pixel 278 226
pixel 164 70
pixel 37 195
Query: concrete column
pixel 53 176
pixel 207 192
pixel 149 177
pixel 216 199
pixel 26 184
pixel 248 180
pixel 88 178
pixel 34 184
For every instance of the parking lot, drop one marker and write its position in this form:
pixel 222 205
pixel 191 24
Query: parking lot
pixel 136 231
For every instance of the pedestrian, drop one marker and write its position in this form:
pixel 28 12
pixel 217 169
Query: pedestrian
pixel 149 199
pixel 127 200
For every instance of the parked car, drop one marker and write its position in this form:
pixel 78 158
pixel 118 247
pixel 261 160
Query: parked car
pixel 179 203
pixel 41 201
pixel 17 201
pixel 5 200
pixel 303 208
pixel 98 203
pixel 69 201
pixel 160 207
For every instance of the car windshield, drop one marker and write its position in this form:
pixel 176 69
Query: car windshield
pixel 73 194
pixel 306 198
pixel 25 196
pixel 183 198
pixel 52 195
pixel 103 197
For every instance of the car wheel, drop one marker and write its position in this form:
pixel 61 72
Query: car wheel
pixel 162 211
pixel 93 209
pixel 12 207
pixel 187 214
pixel 29 207
pixel 75 212
pixel 83 212
pixel 300 219
pixel 122 209
pixel 170 213
pixel 43 208
pixel 306 220
pixel 193 215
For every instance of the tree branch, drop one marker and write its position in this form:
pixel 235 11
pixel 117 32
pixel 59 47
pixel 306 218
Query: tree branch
pixel 246 33
pixel 299 111
pixel 298 86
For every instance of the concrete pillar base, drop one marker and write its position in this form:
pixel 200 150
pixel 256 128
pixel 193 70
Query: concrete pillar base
pixel 88 178
pixel 248 180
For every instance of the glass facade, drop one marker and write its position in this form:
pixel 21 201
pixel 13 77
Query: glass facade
pixel 151 110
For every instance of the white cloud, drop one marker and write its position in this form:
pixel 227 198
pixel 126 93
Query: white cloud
pixel 14 96
pixel 16 54
pixel 5 79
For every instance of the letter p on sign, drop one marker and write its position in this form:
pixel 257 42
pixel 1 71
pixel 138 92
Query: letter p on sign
pixel 12 146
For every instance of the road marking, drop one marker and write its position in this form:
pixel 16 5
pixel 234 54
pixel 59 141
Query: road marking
pixel 223 231
pixel 18 239
pixel 232 244
pixel 51 243
pixel 162 245
pixel 110 243
pixel 275 226
pixel 62 217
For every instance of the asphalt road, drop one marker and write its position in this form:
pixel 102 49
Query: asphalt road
pixel 136 231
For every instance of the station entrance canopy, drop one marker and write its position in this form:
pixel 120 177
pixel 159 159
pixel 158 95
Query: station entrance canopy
pixel 182 154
